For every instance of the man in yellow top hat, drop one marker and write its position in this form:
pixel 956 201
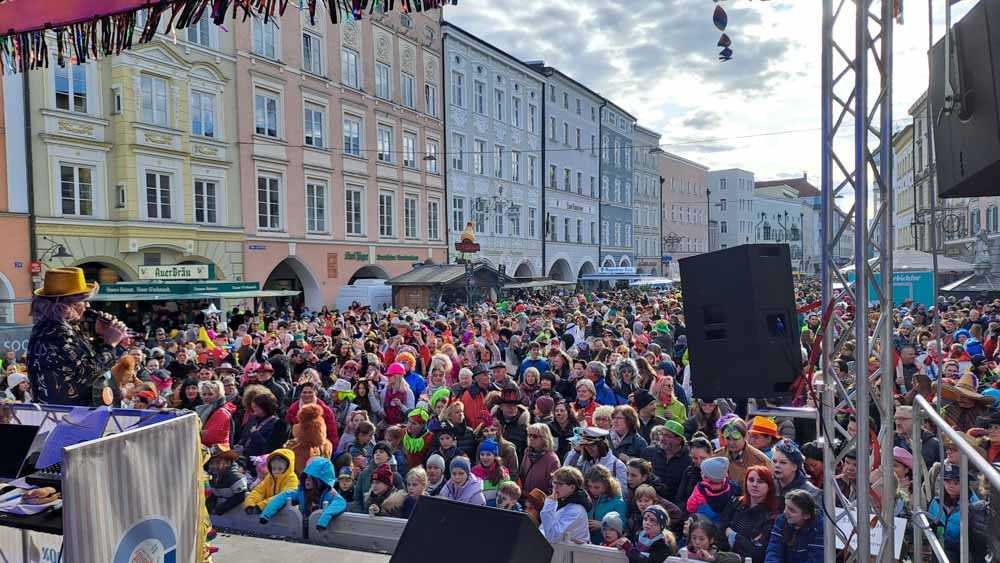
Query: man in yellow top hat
pixel 64 358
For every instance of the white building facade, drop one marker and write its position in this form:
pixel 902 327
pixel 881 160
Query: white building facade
pixel 731 199
pixel 493 129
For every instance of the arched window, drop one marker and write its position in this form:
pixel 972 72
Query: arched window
pixel 974 220
pixel 767 231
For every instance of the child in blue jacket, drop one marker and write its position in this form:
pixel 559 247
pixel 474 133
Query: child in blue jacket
pixel 316 488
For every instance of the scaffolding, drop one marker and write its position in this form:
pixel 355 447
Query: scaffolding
pixel 857 52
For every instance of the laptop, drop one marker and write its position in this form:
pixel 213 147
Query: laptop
pixel 17 440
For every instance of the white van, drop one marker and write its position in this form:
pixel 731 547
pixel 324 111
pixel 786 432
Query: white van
pixel 372 292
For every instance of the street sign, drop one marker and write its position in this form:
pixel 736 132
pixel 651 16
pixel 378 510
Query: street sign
pixel 36 267
pixel 467 246
pixel 665 259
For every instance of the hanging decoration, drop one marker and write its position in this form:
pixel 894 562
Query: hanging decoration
pixel 721 20
pixel 80 34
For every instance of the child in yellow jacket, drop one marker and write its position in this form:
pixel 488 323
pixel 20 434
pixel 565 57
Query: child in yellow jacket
pixel 280 478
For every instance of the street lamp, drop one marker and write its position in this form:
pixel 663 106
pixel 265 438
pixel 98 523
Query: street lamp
pixel 756 228
pixel 57 250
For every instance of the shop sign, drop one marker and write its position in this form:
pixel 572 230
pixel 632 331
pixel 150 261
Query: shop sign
pixel 176 272
pixel 396 258
pixel 176 288
pixel 616 270
pixel 331 265
pixel 356 256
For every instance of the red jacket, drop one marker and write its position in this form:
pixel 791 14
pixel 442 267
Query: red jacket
pixel 474 401
pixel 216 429
pixel 332 431
pixel 418 458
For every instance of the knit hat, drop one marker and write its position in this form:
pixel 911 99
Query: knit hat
pixel 791 450
pixel 951 472
pixel 385 447
pixel 715 468
pixel 383 474
pixel 613 521
pixel 902 455
pixel 676 428
pixel 396 368
pixel 547 375
pixel 545 405
pixel 489 446
pixel 15 379
pixel 661 515
pixel 765 426
pixel 419 415
pixel 439 395
pixel 642 399
pixel 459 462
pixel 435 460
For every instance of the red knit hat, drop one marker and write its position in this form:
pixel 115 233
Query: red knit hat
pixel 383 474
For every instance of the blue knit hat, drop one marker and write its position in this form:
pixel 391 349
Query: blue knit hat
pixel 715 468
pixel 490 446
pixel 660 513
pixel 459 463
pixel 791 450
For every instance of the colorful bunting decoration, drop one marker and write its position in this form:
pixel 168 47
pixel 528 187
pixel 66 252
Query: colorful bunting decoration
pixel 721 20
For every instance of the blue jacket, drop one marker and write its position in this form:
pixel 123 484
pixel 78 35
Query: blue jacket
pixel 605 395
pixel 541 364
pixel 952 523
pixel 807 547
pixel 417 384
pixel 318 468
pixel 601 507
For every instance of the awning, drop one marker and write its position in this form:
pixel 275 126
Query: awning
pixel 534 284
pixel 613 277
pixel 652 281
pixel 198 296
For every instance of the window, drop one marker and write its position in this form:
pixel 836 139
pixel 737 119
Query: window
pixel 515 222
pixel 605 189
pixel 432 156
pixel 515 166
pixel 154 100
pixel 157 196
pixel 498 157
pixel 410 216
pixel 515 112
pixel 352 135
pixel 532 116
pixel 550 227
pixel 116 100
pixel 312 53
pixel 353 210
pixel 974 220
pixel 552 176
pixel 384 143
pixel 593 187
pixel 383 87
pixel 605 147
pixel 578 140
pixel 268 202
pixel 991 219
pixel 616 195
pixel 578 106
pixel 264 34
pixel 433 212
pixel 430 99
pixel 349 74
pixel 532 169
pixel 579 228
pixel 266 114
pixel 552 93
pixel 565 100
pixel 566 230
pixel 202 114
pixel 458 152
pixel 499 102
pixel 579 182
pixel 618 233
pixel 567 174
pixel 723 228
pixel 458 214
pixel 618 155
pixel 532 230
pixel 408 86
pixel 565 133
pixel 498 222
pixel 200 32
pixel 552 128
pixel 604 232
pixel 386 202
pixel 722 204
pixel 316 207
pixel 628 157
pixel 722 183
pixel 479 157
pixel 593 145
pixel 206 208
pixel 409 150
pixel 314 118
pixel 458 88
pixel 593 113
pixel 479 97
pixel 593 232
pixel 77 190
pixel 479 216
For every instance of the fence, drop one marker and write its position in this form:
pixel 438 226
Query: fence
pixel 922 525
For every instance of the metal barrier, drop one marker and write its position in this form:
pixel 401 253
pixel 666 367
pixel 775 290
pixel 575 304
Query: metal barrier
pixel 923 528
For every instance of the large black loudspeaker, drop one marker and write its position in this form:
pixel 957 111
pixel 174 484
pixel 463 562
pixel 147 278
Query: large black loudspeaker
pixel 444 530
pixel 743 333
pixel 967 141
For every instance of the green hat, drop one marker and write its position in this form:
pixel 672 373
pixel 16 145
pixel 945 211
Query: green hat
pixel 661 326
pixel 441 394
pixel 675 427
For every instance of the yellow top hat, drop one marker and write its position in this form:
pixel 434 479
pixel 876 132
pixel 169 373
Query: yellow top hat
pixel 63 282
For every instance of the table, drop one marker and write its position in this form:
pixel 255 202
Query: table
pixel 48 522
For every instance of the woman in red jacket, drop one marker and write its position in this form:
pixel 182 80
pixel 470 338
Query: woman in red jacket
pixel 216 414
pixel 308 396
pixel 540 460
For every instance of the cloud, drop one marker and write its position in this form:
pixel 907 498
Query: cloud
pixel 702 119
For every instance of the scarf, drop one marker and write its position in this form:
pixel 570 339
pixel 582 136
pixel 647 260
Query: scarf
pixel 534 455
pixel 414 445
pixel 615 438
pixel 646 543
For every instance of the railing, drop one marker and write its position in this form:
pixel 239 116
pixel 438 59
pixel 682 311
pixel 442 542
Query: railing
pixel 923 527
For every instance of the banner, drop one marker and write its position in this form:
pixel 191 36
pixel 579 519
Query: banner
pixel 134 496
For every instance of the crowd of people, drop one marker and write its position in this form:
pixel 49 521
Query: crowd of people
pixel 578 409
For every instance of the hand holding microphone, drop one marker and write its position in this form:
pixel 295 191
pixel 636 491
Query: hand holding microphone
pixel 109 328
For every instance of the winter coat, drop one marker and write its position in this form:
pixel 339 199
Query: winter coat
pixel 263 437
pixel 655 553
pixel 218 423
pixel 474 401
pixel 618 469
pixel 227 490
pixel 322 470
pixel 602 506
pixel 470 493
pixel 515 429
pixel 389 503
pixel 752 527
pixel 631 445
pixel 669 471
pixel 806 547
pixel 62 363
pixel 711 503
pixel 585 414
pixel 561 437
pixel 269 487
pixel 538 475
pixel 950 520
pixel 332 430
pixel 800 482
pixel 566 522
pixel 465 441
pixel 749 457
pixel 692 476
pixel 606 395
pixel 490 487
pixel 646 428
pixel 363 484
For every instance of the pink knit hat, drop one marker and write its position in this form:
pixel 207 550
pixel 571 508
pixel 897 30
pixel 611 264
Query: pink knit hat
pixel 902 456
pixel 396 368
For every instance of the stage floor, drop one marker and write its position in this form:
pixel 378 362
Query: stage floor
pixel 234 548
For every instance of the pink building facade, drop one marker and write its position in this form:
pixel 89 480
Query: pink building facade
pixel 340 131
pixel 685 218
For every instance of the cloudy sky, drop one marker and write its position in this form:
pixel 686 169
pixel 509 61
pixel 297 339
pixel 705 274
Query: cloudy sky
pixel 658 60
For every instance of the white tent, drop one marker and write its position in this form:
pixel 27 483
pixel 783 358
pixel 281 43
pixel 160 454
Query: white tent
pixel 917 261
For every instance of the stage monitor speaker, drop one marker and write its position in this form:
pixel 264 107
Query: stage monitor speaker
pixel 742 328
pixel 967 141
pixel 440 530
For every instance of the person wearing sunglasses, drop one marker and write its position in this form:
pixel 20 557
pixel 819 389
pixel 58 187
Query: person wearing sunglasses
pixel 741 455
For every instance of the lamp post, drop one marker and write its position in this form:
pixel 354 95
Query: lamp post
pixel 756 228
pixel 57 250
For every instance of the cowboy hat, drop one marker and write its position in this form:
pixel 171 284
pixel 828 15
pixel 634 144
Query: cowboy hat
pixel 64 282
pixel 964 388
pixel 224 452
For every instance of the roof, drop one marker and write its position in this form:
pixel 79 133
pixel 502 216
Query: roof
pixel 546 71
pixel 444 29
pixel 437 274
pixel 917 261
pixel 801 185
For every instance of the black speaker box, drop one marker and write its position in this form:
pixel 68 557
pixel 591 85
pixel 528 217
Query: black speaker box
pixel 742 328
pixel 967 141
pixel 445 530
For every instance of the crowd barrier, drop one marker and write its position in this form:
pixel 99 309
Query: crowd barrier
pixel 374 534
